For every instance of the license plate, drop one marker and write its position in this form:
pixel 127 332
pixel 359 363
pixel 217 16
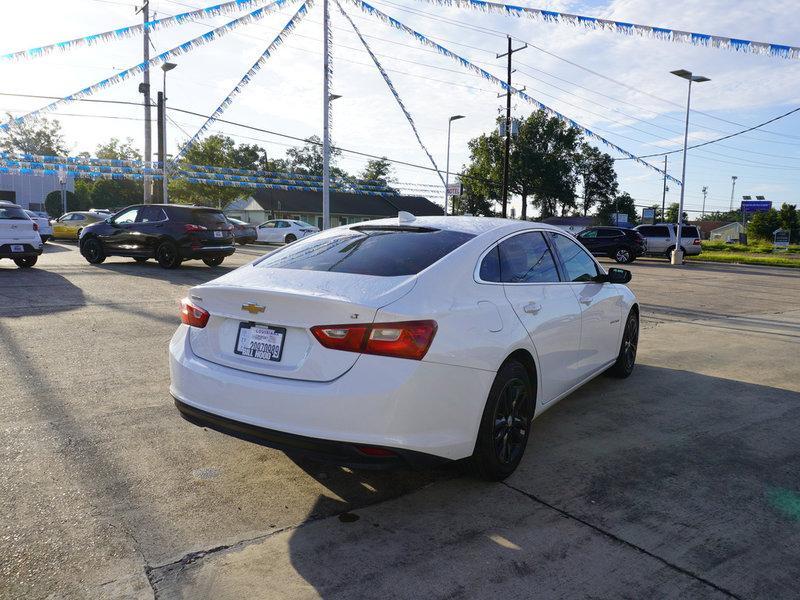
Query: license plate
pixel 217 234
pixel 260 341
pixel 17 248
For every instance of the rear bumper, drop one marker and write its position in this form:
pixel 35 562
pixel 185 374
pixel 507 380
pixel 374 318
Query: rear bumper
pixel 410 407
pixel 28 250
pixel 190 253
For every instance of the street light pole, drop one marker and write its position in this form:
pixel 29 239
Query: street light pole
pixel 733 187
pixel 447 166
pixel 167 66
pixel 144 88
pixel 705 193
pixel 677 253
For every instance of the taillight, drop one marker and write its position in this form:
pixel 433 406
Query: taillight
pixel 191 228
pixel 696 243
pixel 409 339
pixel 193 315
pixel 35 226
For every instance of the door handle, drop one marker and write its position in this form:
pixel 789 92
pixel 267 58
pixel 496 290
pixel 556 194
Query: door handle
pixel 532 308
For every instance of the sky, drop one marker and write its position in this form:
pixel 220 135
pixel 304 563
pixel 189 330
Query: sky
pixel 619 86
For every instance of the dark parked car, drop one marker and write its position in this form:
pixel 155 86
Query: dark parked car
pixel 244 233
pixel 170 233
pixel 623 245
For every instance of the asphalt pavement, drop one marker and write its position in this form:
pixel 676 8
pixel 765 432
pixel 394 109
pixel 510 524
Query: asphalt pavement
pixel 681 482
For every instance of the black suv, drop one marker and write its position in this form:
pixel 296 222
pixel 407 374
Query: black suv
pixel 170 233
pixel 623 245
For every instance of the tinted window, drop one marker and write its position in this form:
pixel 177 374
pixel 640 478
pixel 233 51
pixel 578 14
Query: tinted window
pixel 688 231
pixel 490 266
pixel 151 214
pixel 128 216
pixel 383 252
pixel 608 233
pixel 14 213
pixel 655 231
pixel 270 225
pixel 578 264
pixel 526 258
pixel 589 233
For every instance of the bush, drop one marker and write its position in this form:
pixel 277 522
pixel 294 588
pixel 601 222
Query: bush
pixel 54 205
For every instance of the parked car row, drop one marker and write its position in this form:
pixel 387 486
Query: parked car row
pixel 626 245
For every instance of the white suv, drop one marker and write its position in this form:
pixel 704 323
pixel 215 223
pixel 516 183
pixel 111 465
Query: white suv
pixel 19 236
pixel 661 238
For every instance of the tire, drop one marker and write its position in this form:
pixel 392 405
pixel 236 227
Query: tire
pixel 140 259
pixel 214 262
pixel 290 238
pixel 167 255
pixel 92 251
pixel 505 424
pixel 26 262
pixel 626 359
pixel 623 255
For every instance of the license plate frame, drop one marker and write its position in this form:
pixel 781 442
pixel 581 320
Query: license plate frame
pixel 18 248
pixel 217 234
pixel 254 353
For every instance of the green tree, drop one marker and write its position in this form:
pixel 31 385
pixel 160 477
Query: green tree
pixel 42 136
pixel 215 150
pixel 763 224
pixel 115 193
pixel 55 207
pixel 672 213
pixel 790 221
pixel 475 198
pixel 596 171
pixel 116 150
pixel 623 204
pixel 378 169
pixel 307 160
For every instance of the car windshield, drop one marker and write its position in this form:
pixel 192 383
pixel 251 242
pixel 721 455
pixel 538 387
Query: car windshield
pixel 385 252
pixel 13 213
pixel 303 223
pixel 207 218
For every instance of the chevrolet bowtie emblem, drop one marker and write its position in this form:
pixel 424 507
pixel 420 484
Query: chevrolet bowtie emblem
pixel 253 309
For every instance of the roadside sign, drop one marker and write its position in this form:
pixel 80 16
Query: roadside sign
pixel 781 238
pixel 454 189
pixel 617 218
pixel 751 206
pixel 648 216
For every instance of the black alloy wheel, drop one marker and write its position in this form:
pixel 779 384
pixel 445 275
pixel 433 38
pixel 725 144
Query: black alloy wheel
pixel 167 255
pixel 26 262
pixel 506 422
pixel 626 359
pixel 290 238
pixel 214 262
pixel 623 255
pixel 92 251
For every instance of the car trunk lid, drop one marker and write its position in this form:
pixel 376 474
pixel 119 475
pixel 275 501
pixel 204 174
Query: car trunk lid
pixel 288 302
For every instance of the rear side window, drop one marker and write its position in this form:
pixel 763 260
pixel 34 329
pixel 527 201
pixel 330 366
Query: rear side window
pixel 608 233
pixel 152 214
pixel 13 213
pixel 381 252
pixel 654 231
pixel 588 234
pixel 526 258
pixel 689 231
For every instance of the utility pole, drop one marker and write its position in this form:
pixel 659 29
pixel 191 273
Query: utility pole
pixel 326 106
pixel 508 54
pixel 144 88
pixel 160 133
pixel 733 187
pixel 664 193
pixel 705 193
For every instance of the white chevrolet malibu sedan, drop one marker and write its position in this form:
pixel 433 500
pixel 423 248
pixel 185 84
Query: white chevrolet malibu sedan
pixel 407 340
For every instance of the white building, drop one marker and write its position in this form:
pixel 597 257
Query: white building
pixel 29 191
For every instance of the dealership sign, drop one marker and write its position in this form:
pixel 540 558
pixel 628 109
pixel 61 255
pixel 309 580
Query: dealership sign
pixel 752 206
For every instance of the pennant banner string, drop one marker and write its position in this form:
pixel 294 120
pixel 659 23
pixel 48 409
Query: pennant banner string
pixel 648 31
pixel 425 41
pixel 391 89
pixel 126 32
pixel 247 78
pixel 201 40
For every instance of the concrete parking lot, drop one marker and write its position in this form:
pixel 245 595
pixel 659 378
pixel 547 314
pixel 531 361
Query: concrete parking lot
pixel 680 482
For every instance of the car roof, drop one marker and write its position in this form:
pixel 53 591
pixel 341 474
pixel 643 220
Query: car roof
pixel 473 225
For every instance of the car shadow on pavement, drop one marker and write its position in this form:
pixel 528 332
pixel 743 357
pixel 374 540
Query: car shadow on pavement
pixel 189 273
pixel 36 291
pixel 668 484
pixel 52 247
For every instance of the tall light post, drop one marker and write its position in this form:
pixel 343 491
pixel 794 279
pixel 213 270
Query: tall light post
pixel 705 193
pixel 167 66
pixel 733 187
pixel 447 166
pixel 677 253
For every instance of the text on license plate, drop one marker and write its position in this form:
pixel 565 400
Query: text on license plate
pixel 217 234
pixel 260 341
pixel 17 248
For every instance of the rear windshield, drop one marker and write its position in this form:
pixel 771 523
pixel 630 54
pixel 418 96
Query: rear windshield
pixel 206 218
pixel 689 232
pixel 14 213
pixel 381 252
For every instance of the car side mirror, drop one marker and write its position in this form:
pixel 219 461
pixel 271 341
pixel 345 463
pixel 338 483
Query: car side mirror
pixel 615 275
